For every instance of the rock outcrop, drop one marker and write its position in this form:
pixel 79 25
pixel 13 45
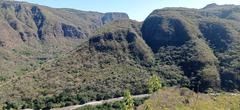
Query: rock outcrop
pixel 108 17
pixel 35 22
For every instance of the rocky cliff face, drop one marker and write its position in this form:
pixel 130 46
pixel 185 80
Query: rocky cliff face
pixel 108 17
pixel 30 32
pixel 34 22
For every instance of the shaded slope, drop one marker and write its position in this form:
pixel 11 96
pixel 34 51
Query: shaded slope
pixel 177 40
pixel 224 40
pixel 198 40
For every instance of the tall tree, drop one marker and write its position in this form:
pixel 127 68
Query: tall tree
pixel 128 101
pixel 154 83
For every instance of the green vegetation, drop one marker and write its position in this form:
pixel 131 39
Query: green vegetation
pixel 41 68
pixel 154 84
pixel 113 106
pixel 61 100
pixel 202 43
pixel 128 103
pixel 183 47
pixel 98 69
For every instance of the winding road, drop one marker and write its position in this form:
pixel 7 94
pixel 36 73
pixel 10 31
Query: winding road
pixel 94 103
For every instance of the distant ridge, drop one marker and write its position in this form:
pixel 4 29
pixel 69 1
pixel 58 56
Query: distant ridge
pixel 212 5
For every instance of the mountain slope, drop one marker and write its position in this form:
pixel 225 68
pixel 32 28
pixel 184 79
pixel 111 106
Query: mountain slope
pixel 115 59
pixel 34 22
pixel 176 39
pixel 32 34
pixel 105 65
pixel 194 48
pixel 204 43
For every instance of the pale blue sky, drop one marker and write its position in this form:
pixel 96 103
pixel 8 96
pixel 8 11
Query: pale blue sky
pixel 136 9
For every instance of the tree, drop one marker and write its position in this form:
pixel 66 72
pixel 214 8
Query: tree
pixel 154 83
pixel 128 102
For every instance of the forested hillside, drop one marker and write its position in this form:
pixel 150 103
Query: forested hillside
pixel 58 57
